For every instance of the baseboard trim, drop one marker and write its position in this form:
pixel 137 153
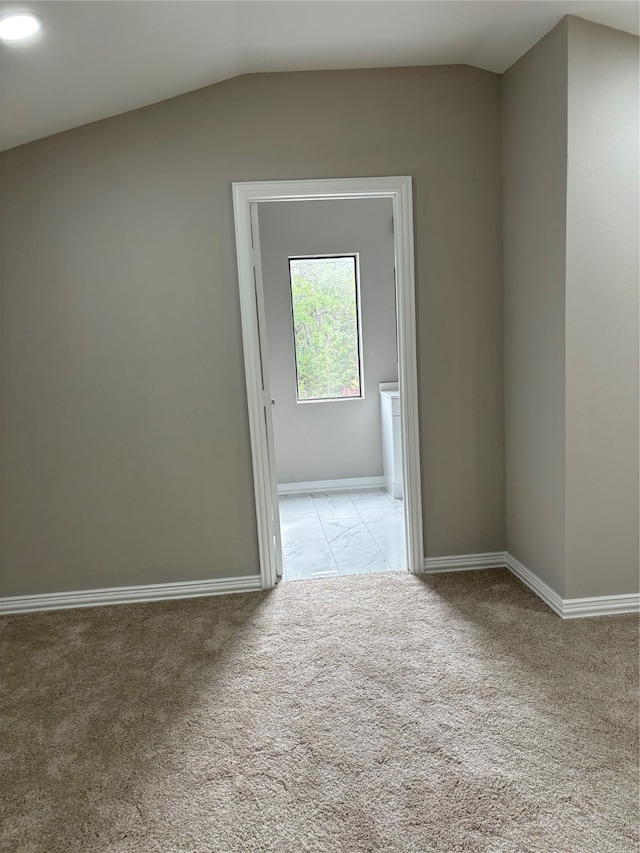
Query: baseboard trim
pixel 567 608
pixel 573 608
pixel 535 584
pixel 128 594
pixel 331 485
pixel 463 562
pixel 601 605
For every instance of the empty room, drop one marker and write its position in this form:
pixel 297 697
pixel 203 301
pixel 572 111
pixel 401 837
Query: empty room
pixel 319 426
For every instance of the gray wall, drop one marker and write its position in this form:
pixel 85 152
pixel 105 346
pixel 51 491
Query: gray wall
pixel 602 312
pixel 329 440
pixel 534 210
pixel 570 202
pixel 125 438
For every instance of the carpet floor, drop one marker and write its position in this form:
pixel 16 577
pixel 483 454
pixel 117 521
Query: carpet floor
pixel 453 713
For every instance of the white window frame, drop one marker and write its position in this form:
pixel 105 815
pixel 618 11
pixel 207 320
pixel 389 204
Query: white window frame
pixel 356 264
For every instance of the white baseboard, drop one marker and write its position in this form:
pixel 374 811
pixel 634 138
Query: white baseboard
pixel 573 608
pixel 463 562
pixel 601 605
pixel 567 608
pixel 128 594
pixel 331 485
pixel 541 589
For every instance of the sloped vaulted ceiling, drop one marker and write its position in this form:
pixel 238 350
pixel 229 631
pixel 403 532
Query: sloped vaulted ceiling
pixel 96 59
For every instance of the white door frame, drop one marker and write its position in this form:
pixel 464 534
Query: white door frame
pixel 398 189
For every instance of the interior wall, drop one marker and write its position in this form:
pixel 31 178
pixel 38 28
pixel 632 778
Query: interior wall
pixel 125 437
pixel 602 313
pixel 342 439
pixel 570 214
pixel 534 115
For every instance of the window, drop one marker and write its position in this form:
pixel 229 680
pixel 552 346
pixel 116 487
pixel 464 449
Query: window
pixel 326 327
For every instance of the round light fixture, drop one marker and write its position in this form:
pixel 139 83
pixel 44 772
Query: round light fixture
pixel 18 25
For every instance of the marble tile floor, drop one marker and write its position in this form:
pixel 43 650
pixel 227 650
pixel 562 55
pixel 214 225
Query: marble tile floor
pixel 341 533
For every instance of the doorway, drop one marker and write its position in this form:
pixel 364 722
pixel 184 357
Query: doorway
pixel 248 198
pixel 329 295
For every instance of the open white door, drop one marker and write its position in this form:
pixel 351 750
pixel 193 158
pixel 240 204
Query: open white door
pixel 268 401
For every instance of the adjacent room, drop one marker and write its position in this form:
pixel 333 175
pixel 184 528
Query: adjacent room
pixel 330 317
pixel 319 427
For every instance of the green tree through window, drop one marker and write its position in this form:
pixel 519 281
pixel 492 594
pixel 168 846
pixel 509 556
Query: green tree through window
pixel 324 299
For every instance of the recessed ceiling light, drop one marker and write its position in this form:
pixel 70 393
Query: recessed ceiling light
pixel 18 25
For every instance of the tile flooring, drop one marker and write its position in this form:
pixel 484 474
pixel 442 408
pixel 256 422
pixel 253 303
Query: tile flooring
pixel 341 533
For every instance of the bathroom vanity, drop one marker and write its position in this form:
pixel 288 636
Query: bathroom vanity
pixel 391 438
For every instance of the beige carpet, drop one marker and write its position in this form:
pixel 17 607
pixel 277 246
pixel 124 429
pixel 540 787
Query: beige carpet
pixel 362 713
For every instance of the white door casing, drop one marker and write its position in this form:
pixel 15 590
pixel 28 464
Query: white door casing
pixel 246 196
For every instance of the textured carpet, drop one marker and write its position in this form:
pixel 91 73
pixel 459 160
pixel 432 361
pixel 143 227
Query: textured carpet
pixel 364 713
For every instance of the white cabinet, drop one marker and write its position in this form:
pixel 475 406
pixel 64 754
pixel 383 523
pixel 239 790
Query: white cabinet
pixel 391 438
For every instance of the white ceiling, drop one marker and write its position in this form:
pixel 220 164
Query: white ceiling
pixel 95 59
